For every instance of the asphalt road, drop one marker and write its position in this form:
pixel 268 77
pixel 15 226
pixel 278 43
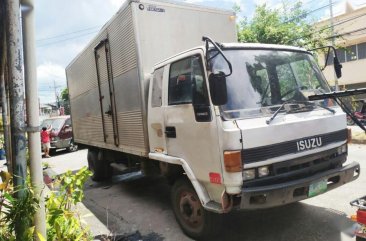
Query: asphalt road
pixel 143 205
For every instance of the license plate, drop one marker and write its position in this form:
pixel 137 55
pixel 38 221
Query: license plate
pixel 317 188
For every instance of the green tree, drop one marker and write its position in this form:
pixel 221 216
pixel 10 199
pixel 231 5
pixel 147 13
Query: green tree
pixel 65 95
pixel 65 100
pixel 286 26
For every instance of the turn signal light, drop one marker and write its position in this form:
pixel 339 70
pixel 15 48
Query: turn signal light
pixel 232 161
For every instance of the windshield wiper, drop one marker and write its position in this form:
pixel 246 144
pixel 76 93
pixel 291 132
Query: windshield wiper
pixel 305 103
pixel 325 107
pixel 277 111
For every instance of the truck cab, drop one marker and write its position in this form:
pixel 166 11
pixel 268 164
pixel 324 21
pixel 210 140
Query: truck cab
pixel 248 139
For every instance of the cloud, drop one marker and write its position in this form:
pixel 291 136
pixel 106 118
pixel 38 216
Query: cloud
pixel 51 78
pixel 117 3
pixel 63 29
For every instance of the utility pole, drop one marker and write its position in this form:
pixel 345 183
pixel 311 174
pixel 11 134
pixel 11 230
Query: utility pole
pixel 333 41
pixel 4 91
pixel 56 95
pixel 34 140
pixel 16 87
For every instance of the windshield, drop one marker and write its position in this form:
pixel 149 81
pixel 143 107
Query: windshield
pixel 55 123
pixel 262 80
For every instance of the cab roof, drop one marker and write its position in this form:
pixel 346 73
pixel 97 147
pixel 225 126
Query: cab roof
pixel 226 46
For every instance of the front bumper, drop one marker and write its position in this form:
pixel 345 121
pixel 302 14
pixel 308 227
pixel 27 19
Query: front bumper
pixel 293 191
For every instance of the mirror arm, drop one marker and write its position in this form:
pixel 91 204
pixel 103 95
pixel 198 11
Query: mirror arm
pixel 329 47
pixel 208 40
pixel 326 60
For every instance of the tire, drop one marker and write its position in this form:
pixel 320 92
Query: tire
pixel 101 170
pixel 72 147
pixel 360 238
pixel 52 151
pixel 350 122
pixel 193 219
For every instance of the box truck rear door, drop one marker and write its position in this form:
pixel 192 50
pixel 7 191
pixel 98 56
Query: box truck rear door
pixel 106 92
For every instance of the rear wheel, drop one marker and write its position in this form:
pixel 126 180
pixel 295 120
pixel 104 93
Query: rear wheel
pixel 101 170
pixel 193 219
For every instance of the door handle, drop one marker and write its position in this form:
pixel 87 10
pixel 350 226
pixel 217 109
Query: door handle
pixel 170 132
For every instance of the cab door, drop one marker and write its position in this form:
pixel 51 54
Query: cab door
pixel 190 127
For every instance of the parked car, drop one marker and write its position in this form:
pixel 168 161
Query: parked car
pixel 360 113
pixel 61 133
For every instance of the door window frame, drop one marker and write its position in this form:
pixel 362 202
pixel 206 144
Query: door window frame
pixel 204 79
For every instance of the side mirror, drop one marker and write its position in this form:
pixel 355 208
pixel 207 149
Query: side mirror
pixel 337 67
pixel 218 89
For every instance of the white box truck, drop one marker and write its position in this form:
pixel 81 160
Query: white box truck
pixel 228 124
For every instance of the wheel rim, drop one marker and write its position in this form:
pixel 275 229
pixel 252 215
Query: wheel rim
pixel 191 210
pixel 73 147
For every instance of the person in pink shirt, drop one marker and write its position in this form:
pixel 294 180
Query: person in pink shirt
pixel 46 140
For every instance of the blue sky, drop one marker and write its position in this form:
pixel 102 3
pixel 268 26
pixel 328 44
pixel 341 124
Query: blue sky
pixel 64 27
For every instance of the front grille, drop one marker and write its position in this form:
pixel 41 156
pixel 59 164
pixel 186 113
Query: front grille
pixel 289 147
pixel 299 168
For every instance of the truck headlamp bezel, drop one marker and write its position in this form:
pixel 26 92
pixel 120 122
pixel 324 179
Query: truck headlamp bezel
pixel 249 174
pixel 263 171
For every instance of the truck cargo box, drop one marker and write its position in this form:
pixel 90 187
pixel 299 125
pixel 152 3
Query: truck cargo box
pixel 108 80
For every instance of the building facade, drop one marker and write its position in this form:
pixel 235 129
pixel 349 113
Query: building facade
pixel 350 41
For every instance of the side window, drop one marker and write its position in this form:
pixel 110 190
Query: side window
pixel 186 81
pixel 156 88
pixel 68 122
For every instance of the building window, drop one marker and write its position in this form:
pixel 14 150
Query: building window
pixel 341 54
pixel 351 53
pixel 330 58
pixel 361 51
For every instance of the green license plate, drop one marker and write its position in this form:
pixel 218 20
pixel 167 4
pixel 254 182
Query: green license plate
pixel 317 188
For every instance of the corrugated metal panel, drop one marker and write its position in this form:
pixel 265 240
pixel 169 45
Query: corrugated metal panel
pixel 122 41
pixel 108 128
pixel 131 129
pixel 88 128
pixel 82 75
pixel 102 65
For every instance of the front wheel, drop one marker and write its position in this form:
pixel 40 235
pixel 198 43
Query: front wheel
pixel 72 146
pixel 350 122
pixel 193 219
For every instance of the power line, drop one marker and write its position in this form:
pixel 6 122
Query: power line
pixel 304 15
pixel 66 39
pixel 347 33
pixel 336 24
pixel 66 34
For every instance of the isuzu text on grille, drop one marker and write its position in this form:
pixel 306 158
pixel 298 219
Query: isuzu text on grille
pixel 309 143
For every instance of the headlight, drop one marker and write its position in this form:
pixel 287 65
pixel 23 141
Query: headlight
pixel 263 171
pixel 342 149
pixel 249 174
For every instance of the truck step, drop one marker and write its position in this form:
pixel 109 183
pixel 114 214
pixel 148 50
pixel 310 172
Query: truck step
pixel 119 166
pixel 214 207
